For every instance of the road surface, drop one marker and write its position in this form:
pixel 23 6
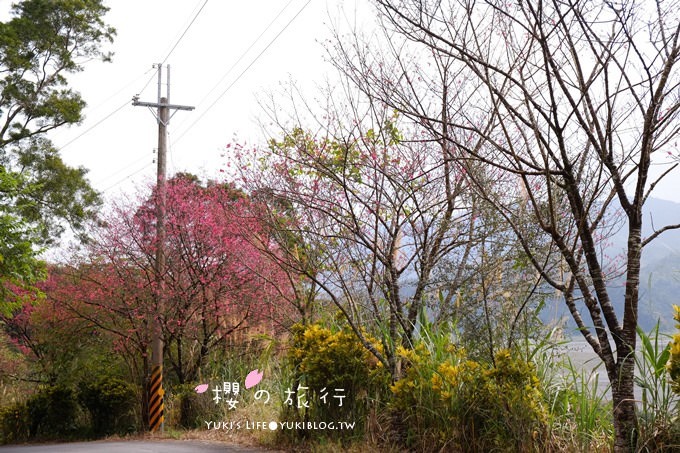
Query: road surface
pixel 136 446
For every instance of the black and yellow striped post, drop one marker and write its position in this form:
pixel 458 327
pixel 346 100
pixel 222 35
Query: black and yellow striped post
pixel 156 399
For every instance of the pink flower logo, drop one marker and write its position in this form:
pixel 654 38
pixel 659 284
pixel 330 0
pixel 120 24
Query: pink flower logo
pixel 201 388
pixel 253 378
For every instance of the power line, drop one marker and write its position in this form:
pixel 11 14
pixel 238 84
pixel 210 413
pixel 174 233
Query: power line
pixel 127 177
pixel 116 110
pixel 126 167
pixel 95 125
pixel 109 115
pixel 184 32
pixel 120 90
pixel 242 72
pixel 153 76
pixel 233 66
pixel 186 29
pixel 212 89
pixel 89 129
pixel 119 108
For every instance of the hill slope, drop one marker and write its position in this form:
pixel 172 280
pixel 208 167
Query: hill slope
pixel 659 274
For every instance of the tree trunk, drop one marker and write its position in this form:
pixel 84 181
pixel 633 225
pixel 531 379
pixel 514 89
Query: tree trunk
pixel 145 393
pixel 623 384
pixel 623 399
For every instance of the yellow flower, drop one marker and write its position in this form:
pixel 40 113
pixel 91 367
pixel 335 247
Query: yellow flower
pixel 408 354
pixel 436 382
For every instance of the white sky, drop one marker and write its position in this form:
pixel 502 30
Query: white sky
pixel 119 151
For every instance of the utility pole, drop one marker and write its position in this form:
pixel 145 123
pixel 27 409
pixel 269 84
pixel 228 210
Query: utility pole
pixel 162 114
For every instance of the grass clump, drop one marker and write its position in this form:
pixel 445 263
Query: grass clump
pixel 460 404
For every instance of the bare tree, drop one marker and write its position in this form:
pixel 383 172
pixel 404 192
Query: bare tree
pixel 566 102
pixel 372 213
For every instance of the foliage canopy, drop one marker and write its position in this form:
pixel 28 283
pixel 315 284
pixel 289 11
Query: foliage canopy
pixel 42 43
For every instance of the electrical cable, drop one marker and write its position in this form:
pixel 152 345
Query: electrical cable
pixel 127 102
pixel 242 73
pixel 233 66
pixel 179 40
pixel 121 170
pixel 109 115
pixel 116 93
pixel 127 177
pixel 176 44
pixel 153 76
pixel 186 29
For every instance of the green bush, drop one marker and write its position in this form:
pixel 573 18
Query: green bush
pixel 110 402
pixel 186 409
pixel 54 413
pixel 14 422
pixel 674 360
pixel 324 361
pixel 460 404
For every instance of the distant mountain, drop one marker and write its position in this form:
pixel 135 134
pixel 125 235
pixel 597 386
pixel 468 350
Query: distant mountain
pixel 660 269
pixel 659 273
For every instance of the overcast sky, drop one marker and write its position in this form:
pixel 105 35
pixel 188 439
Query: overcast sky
pixel 219 66
pixel 205 70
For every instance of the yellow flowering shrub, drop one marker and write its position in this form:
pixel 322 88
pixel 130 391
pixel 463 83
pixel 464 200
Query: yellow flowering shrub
pixel 462 404
pixel 323 361
pixel 674 360
pixel 323 358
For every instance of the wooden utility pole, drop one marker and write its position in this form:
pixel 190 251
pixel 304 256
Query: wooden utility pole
pixel 162 114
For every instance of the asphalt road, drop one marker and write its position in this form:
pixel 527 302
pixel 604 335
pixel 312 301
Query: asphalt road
pixel 137 446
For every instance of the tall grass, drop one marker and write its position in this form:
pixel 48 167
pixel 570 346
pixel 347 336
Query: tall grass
pixel 589 407
pixel 658 407
pixel 448 401
pixel 579 412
